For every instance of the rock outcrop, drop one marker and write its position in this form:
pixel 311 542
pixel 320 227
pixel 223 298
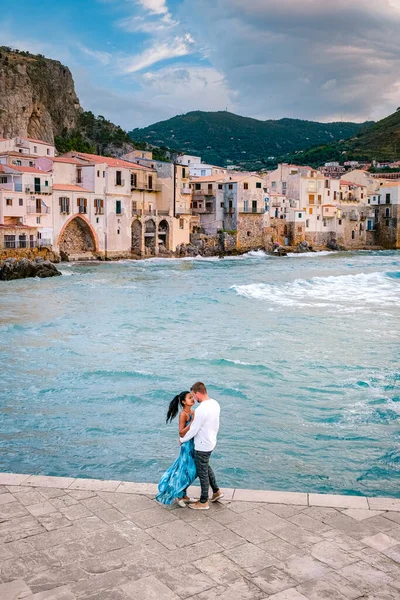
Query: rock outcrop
pixel 37 96
pixel 20 269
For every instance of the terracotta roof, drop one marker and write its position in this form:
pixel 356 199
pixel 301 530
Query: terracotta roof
pixel 330 205
pixel 111 162
pixel 36 141
pixel 391 183
pixel 69 187
pixel 67 159
pixel 28 170
pixel 9 226
pixel 344 182
pixel 20 154
pixel 206 178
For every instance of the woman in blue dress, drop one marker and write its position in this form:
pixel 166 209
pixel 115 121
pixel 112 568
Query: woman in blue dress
pixel 175 481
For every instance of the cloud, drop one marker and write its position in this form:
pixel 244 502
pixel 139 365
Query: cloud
pixel 102 57
pixel 160 51
pixel 158 7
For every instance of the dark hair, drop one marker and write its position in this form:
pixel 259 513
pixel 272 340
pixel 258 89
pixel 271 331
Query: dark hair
pixel 174 405
pixel 199 387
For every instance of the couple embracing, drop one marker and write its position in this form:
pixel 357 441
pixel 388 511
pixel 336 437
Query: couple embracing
pixel 198 436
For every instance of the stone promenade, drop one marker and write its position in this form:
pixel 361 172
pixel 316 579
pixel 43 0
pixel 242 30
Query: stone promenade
pixel 65 539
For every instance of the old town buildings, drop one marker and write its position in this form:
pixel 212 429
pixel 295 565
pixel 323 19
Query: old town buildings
pixel 83 205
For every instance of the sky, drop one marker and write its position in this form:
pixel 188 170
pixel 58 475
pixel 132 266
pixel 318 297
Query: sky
pixel 137 62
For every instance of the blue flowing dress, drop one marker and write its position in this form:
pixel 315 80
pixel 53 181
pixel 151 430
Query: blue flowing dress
pixel 179 476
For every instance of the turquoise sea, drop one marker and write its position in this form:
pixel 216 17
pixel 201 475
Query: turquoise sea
pixel 302 353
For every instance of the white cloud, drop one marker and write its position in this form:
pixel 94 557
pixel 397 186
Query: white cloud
pixel 160 51
pixel 158 7
pixel 102 57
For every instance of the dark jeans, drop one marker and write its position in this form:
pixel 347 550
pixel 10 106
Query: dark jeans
pixel 205 474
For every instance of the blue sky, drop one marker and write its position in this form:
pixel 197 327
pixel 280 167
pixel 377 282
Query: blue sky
pixel 141 61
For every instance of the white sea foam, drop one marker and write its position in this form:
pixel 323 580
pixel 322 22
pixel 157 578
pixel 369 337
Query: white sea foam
pixel 311 254
pixel 350 293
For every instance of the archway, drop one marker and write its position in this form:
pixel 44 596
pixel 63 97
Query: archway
pixel 150 234
pixel 136 236
pixel 77 236
pixel 163 235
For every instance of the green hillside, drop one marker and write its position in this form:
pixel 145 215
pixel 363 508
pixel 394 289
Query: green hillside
pixel 221 137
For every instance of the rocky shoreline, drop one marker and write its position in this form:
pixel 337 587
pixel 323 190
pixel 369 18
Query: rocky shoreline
pixel 12 269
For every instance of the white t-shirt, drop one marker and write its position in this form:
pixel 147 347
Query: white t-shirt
pixel 205 426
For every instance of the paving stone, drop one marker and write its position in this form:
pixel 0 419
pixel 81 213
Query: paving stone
pixel 53 521
pixel 48 580
pixel 220 568
pixel 15 590
pixel 197 551
pixel 75 512
pixel 280 549
pixel 240 590
pixel 332 554
pixel 56 538
pixel 227 538
pixel 5 553
pixel 395 533
pixel 337 501
pixel 250 530
pixel 262 517
pixel 186 581
pixel 94 485
pixel 12 509
pixel 70 552
pixel 297 536
pixel 20 547
pixel 152 517
pixel 364 576
pixel 330 587
pixel 98 583
pixel 20 528
pixel 102 563
pixel 81 494
pixel 44 481
pixel 95 503
pixel 241 507
pixel 176 534
pixel 111 515
pixel 130 487
pixel 290 594
pixel 391 504
pixel 273 497
pixel 303 568
pixel 64 501
pixel 360 514
pixel 285 510
pixel 250 557
pixel 380 541
pixel 6 498
pixel 44 508
pixel 308 523
pixel 28 498
pixel 272 580
pixel 51 492
pixel 223 516
pixel 386 593
pixel 353 528
pixel 133 533
pixel 344 541
pixel 105 541
pixel 90 524
pixel 60 593
pixel 393 553
pixel 149 588
pixel 380 561
pixel 393 516
pixel 14 568
pixel 3 489
pixel 12 479
pixel 381 523
pixel 321 513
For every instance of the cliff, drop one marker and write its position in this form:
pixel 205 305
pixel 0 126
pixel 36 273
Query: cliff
pixel 37 96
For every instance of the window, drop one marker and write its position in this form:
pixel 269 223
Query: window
pixel 203 172
pixel 210 186
pixel 21 201
pixel 82 205
pixel 38 220
pixel 104 173
pixel 283 187
pixel 245 186
pixel 98 206
pixel 362 196
pixel 64 206
pixel 273 185
pixel 341 195
pixel 220 186
pixel 361 227
pixel 254 206
pixel 31 163
pixel 387 212
pixel 230 186
pixel 246 206
pixel 328 193
pixel 334 195
pixel 133 180
pixel 9 241
pixel 22 241
pixel 387 198
pixel 387 222
pixel 369 200
pixel 222 204
pixel 118 178
pixel 258 184
pixel 118 207
pixel 197 186
pixel 311 199
pixel 370 225
pixel 78 175
pixel 34 149
pixel 327 183
pixel 340 221
pixel 183 172
pixel 3 179
pixel 324 223
pixel 18 163
pixel 319 199
pixel 181 223
pixel 379 199
pixel 310 210
pixel 48 151
pixel 352 234
pixel 299 215
pixel 98 173
pixel 307 223
pixel 118 231
pixel 8 201
pixel 150 182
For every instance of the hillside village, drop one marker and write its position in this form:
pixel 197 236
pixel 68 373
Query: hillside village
pixel 85 206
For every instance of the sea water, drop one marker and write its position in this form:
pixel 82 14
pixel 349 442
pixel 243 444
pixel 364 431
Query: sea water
pixel 302 352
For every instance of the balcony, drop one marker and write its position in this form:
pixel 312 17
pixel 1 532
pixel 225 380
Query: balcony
pixel 229 211
pixel 25 243
pixel 21 142
pixel 144 187
pixel 36 210
pixel 18 187
pixel 119 182
pixel 186 190
pixel 353 216
pixel 82 210
pixel 204 192
pixel 137 212
pixel 204 210
pixel 38 189
pixel 182 210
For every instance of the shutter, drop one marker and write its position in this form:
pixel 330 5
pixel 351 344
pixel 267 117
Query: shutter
pixel 95 202
pixel 102 203
pixel 60 201
pixel 78 202
pixel 85 202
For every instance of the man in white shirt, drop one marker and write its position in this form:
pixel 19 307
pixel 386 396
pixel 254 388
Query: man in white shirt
pixel 204 430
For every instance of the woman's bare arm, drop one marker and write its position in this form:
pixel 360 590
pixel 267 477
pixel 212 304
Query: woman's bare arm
pixel 182 424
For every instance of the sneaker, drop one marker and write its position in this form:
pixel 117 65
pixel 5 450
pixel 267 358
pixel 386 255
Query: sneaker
pixel 217 496
pixel 199 506
pixel 181 502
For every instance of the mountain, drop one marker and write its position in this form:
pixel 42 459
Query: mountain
pixel 222 136
pixel 380 141
pixel 38 100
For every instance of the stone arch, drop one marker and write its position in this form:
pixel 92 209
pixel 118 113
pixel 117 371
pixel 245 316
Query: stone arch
pixel 150 234
pixel 77 235
pixel 163 234
pixel 136 236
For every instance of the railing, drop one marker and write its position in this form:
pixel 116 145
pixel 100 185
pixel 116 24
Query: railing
pixel 229 211
pixel 203 210
pixel 204 192
pixel 120 212
pixel 186 190
pixel 36 210
pixel 18 187
pixel 38 189
pixel 137 211
pixel 156 187
pixel 254 211
pixel 82 210
pixel 14 244
pixel 120 183
pixel 163 213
